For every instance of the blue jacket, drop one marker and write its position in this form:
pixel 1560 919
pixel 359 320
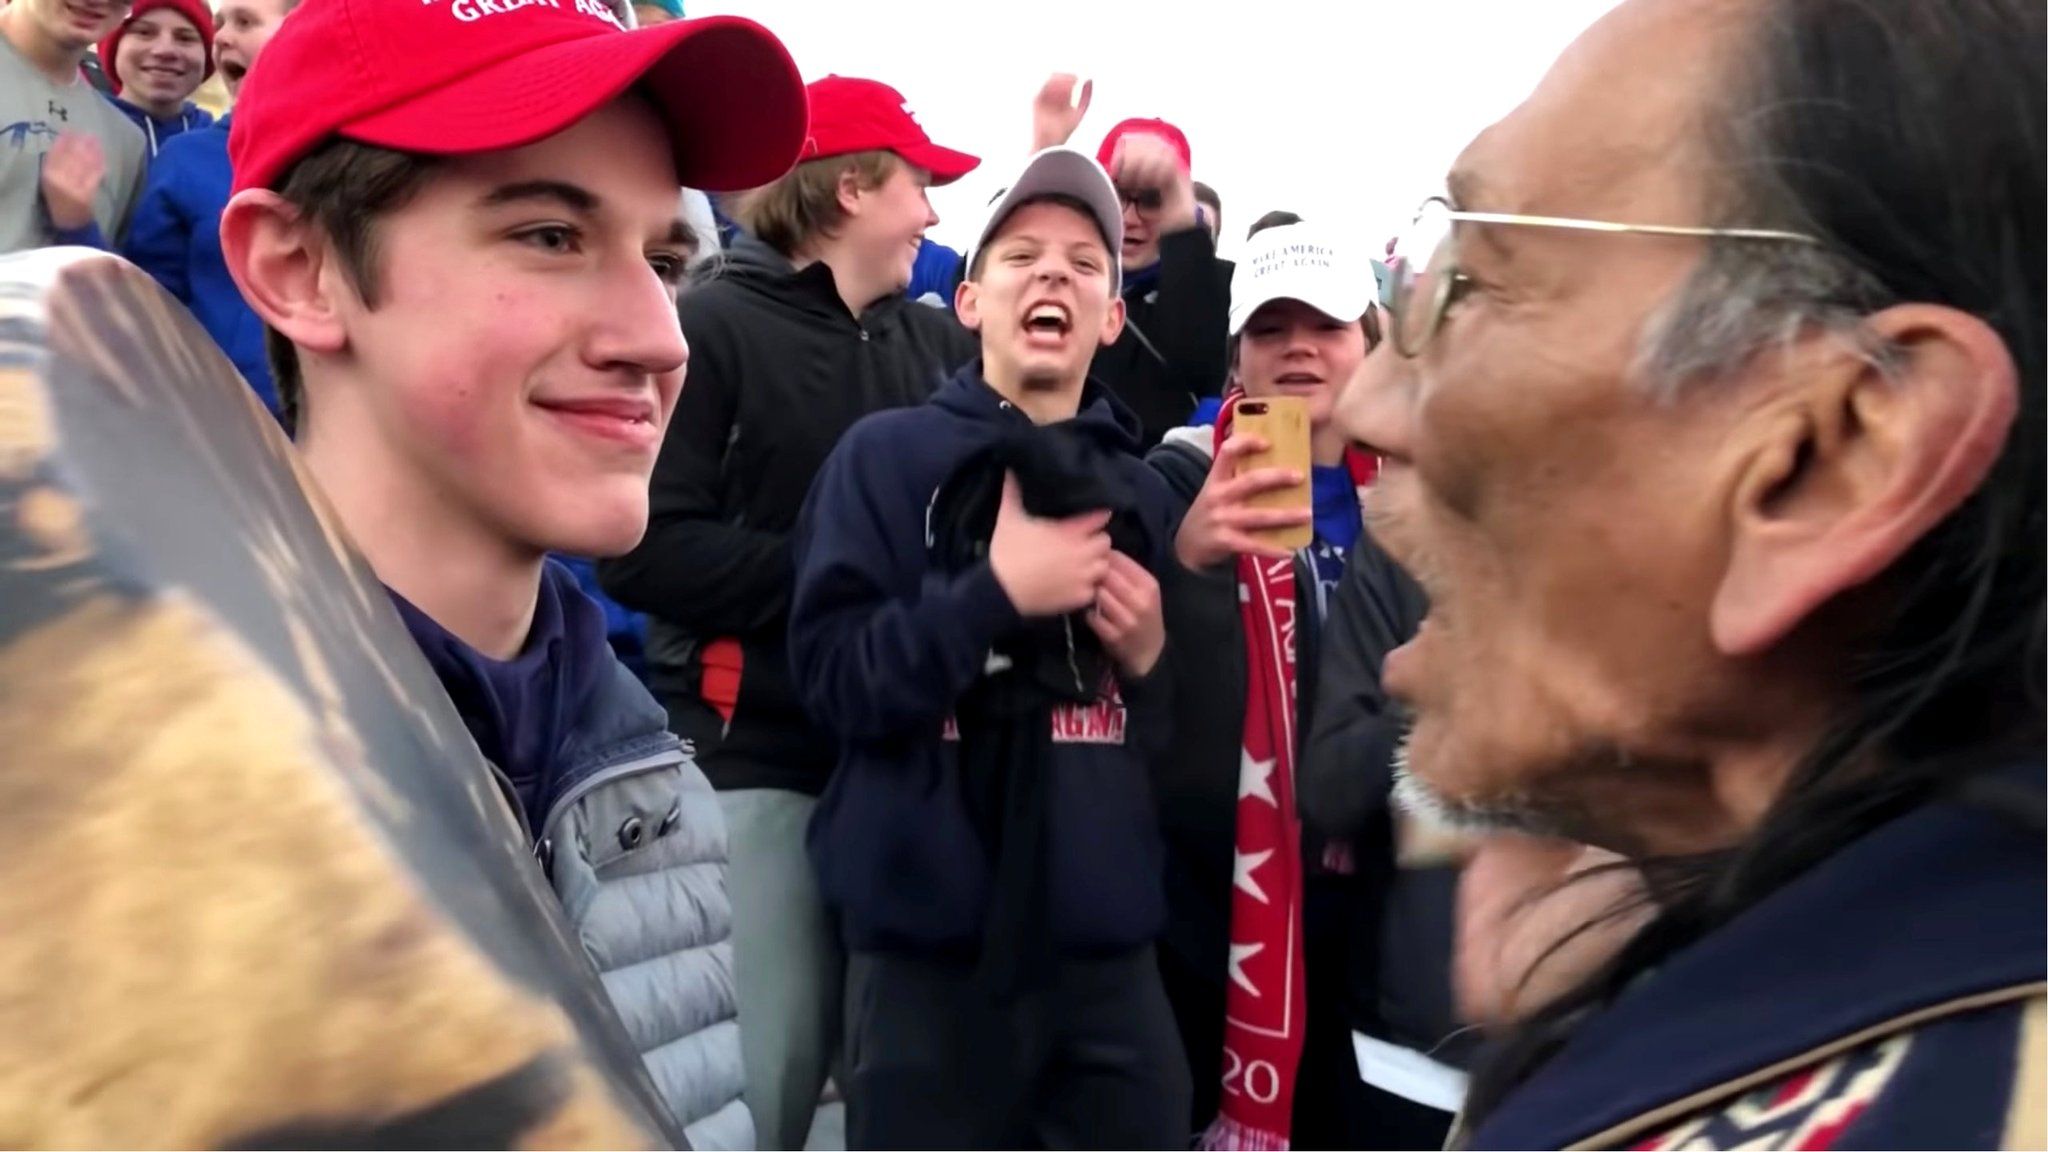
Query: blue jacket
pixel 935 273
pixel 1883 999
pixel 882 647
pixel 161 132
pixel 175 237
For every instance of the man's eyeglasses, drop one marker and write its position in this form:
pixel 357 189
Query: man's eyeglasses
pixel 1423 279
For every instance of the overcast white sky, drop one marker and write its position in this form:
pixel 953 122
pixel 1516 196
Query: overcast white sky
pixel 1342 110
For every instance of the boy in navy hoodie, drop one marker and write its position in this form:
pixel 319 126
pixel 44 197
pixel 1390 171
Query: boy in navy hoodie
pixel 470 294
pixel 977 620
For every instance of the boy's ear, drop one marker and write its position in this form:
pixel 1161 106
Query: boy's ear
pixel 967 305
pixel 1113 320
pixel 849 191
pixel 280 261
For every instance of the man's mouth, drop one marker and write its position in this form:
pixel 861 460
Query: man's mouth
pixel 84 15
pixel 1299 381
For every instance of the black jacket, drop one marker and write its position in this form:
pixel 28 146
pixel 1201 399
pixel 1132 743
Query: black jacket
pixel 1177 325
pixel 887 643
pixel 1401 987
pixel 778 371
pixel 1196 780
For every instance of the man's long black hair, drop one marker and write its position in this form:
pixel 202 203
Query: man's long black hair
pixel 1907 136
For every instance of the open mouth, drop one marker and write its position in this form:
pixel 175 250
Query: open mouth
pixel 233 70
pixel 1048 322
pixel 1299 382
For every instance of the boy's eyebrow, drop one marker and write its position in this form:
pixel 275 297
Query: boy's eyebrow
pixel 571 196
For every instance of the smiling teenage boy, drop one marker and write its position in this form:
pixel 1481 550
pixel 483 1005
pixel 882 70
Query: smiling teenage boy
pixel 976 619
pixel 467 260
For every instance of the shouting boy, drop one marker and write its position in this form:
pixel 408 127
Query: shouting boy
pixel 976 618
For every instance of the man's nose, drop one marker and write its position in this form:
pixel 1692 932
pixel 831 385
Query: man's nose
pixel 1376 408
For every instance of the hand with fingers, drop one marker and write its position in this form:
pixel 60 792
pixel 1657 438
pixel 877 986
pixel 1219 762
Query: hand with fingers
pixel 1222 520
pixel 1047 567
pixel 1128 618
pixel 72 171
pixel 1055 113
pixel 1147 171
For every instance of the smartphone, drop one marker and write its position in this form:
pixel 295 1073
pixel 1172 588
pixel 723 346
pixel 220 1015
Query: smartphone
pixel 1282 422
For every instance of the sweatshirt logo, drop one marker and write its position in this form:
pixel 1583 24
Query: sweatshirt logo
pixel 1100 722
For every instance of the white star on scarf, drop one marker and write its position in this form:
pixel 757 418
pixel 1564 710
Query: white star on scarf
pixel 1247 863
pixel 1239 953
pixel 1255 778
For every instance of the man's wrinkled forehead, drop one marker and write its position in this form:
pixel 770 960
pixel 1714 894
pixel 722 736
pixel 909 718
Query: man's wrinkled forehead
pixel 1617 128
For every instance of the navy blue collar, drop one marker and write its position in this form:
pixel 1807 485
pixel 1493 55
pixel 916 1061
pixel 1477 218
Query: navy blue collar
pixel 1942 903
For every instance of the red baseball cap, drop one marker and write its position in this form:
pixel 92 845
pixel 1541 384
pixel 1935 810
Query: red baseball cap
pixel 193 10
pixel 854 115
pixel 1106 155
pixel 452 77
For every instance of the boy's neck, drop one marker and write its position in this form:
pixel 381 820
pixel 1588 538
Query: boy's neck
pixel 470 582
pixel 1327 444
pixel 159 112
pixel 857 291
pixel 1043 403
pixel 53 60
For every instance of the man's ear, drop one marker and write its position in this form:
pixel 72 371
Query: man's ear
pixel 281 263
pixel 967 305
pixel 1113 320
pixel 1861 461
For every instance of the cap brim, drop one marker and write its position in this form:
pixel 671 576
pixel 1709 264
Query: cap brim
pixel 944 164
pixel 732 98
pixel 1337 302
pixel 1063 172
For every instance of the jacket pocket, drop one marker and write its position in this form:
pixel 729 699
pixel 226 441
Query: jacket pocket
pixel 636 854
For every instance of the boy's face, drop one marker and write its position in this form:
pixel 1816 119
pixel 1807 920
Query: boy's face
pixel 891 221
pixel 161 59
pixel 242 28
pixel 524 354
pixel 75 25
pixel 1043 300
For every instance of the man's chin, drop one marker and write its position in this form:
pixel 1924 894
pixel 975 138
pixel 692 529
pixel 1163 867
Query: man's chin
pixel 1415 791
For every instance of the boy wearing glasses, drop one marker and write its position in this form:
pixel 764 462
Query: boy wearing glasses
pixel 1176 292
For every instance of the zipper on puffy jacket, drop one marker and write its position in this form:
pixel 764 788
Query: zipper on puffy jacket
pixel 543 846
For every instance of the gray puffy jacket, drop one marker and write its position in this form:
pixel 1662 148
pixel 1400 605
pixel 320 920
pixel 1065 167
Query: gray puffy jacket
pixel 634 843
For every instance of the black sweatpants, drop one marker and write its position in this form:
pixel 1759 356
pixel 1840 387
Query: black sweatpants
pixel 1090 1061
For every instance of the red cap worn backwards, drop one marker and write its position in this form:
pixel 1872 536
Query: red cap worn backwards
pixel 853 115
pixel 451 77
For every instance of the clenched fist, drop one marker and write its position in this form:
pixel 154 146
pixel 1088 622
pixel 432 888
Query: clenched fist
pixel 1047 567
pixel 1127 617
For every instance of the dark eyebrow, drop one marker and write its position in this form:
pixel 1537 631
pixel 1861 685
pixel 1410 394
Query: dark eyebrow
pixel 570 196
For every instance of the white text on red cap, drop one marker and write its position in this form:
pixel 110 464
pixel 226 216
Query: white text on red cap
pixel 469 11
